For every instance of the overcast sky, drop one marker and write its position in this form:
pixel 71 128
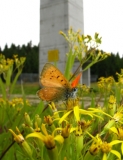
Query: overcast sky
pixel 19 22
pixel 106 18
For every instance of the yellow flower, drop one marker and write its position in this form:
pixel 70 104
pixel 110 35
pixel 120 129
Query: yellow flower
pixel 66 131
pixel 70 31
pixel 84 88
pixel 18 101
pixel 78 130
pixel 52 106
pixel 37 128
pixel 22 142
pixel 96 144
pixel 15 56
pixel 112 105
pixel 71 103
pixel 121 80
pixel 79 38
pixel 122 92
pixel 48 120
pixel 75 47
pixel 120 77
pixel 60 32
pixel 112 99
pixel 10 61
pixel 118 117
pixel 49 140
pixel 54 110
pixel 84 124
pixel 18 138
pixel 106 149
pixel 105 84
pixel 118 131
pixel 2 101
pixel 75 112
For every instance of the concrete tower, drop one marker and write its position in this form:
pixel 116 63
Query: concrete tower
pixel 56 15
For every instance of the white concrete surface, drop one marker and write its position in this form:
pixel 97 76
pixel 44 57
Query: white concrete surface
pixel 56 15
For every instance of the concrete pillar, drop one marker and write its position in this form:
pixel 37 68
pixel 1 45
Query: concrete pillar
pixel 86 77
pixel 56 15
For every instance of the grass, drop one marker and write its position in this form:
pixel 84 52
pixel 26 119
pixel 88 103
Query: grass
pixel 29 88
pixel 32 88
pixel 94 86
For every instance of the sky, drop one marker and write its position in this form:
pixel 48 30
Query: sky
pixel 19 22
pixel 105 17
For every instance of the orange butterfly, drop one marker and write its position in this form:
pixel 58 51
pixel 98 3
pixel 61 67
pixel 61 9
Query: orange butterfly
pixel 55 85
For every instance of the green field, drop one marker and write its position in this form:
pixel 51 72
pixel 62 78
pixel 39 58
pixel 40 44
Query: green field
pixel 32 88
pixel 29 88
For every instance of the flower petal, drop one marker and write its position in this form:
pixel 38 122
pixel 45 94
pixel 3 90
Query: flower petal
pixel 104 156
pixel 37 135
pixel 115 142
pixel 116 153
pixel 44 129
pixel 122 148
pixel 64 116
pixel 59 138
pixel 76 113
pixel 85 112
pixel 72 130
pixel 114 129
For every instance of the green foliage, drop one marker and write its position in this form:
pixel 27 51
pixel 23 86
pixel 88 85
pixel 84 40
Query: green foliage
pixel 108 67
pixel 68 130
pixel 30 52
pixel 6 71
pixel 83 49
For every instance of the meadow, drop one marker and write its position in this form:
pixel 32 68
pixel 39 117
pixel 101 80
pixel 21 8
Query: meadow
pixel 66 129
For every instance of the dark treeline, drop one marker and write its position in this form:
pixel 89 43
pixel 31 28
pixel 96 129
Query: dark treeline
pixel 30 52
pixel 105 68
pixel 108 67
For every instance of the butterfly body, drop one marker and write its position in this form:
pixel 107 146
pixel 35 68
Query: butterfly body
pixel 55 86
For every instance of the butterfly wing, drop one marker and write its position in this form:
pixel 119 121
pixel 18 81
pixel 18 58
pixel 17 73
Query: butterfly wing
pixel 52 77
pixel 76 80
pixel 51 94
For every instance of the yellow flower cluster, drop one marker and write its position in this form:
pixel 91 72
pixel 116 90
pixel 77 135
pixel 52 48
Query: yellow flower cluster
pixel 105 84
pixel 120 77
pixel 76 130
pixel 18 101
pixel 106 147
pixel 5 64
pixel 14 102
pixel 112 99
pixel 81 46
pixel 2 101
